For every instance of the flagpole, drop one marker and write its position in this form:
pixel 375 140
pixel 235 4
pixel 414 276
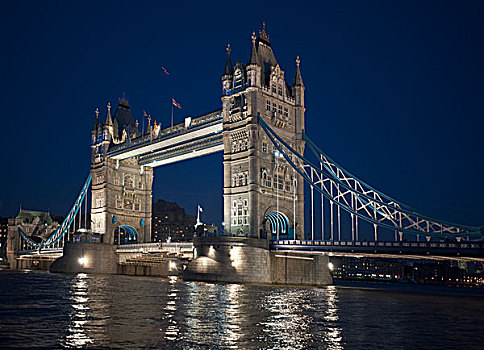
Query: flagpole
pixel 172 114
pixel 143 127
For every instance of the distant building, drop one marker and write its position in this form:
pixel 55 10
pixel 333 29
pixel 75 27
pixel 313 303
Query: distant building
pixel 3 239
pixel 170 220
pixel 211 229
pixel 36 224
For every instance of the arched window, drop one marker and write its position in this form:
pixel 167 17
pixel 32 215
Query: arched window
pixel 128 181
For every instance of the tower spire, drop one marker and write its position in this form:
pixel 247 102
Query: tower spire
pixel 109 120
pixel 228 66
pixel 253 54
pixel 263 34
pixel 298 78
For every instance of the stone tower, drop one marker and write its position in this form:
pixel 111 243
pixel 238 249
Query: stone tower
pixel 121 189
pixel 263 195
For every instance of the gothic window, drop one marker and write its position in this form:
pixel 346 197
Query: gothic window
pixel 137 206
pixel 116 181
pixel 274 107
pixel 128 204
pixel 140 185
pixel 128 181
pixel 286 113
pixel 279 110
pixel 279 90
pixel 288 186
pixel 264 147
pixel 274 90
pixel 240 212
pixel 268 181
pixel 238 78
pixel 268 105
pixel 237 101
pixel 119 203
pixel 99 178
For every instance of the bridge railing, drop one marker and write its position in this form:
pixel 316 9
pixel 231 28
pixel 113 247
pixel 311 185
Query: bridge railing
pixel 356 244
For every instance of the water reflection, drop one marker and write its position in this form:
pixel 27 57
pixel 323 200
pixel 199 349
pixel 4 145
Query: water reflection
pixel 77 332
pixel 332 333
pixel 171 332
pixel 94 311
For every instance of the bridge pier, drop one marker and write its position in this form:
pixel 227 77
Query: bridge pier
pixel 249 260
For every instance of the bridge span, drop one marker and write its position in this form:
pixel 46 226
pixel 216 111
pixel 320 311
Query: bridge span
pixel 469 251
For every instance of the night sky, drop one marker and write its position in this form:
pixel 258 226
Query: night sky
pixel 394 91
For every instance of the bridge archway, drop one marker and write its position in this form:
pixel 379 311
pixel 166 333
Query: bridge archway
pixel 276 224
pixel 125 234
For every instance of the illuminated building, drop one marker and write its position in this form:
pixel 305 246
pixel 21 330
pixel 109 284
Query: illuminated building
pixel 170 220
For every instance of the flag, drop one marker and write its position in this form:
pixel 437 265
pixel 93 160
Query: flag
pixel 176 104
pixel 145 114
pixel 200 208
pixel 165 70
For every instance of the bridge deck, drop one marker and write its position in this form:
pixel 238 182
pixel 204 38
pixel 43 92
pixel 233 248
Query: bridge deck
pixel 197 137
pixel 421 249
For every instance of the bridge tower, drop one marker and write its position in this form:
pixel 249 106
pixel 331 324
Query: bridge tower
pixel 121 189
pixel 263 195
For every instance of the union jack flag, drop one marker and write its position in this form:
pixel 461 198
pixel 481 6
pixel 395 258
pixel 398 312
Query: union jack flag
pixel 165 70
pixel 176 104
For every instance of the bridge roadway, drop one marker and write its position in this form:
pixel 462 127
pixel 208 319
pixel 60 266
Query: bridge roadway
pixel 192 138
pixel 471 251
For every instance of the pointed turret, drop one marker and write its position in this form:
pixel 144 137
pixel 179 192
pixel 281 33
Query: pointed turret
pixel 253 55
pixel 122 119
pixel 228 66
pixel 109 120
pixel 298 78
pixel 96 121
pixel 228 73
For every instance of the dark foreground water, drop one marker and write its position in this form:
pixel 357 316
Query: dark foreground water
pixel 42 310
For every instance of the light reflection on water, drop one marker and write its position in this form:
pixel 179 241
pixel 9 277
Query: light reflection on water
pixel 93 311
pixel 77 334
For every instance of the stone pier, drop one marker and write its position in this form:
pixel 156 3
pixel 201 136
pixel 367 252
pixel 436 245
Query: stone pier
pixel 249 260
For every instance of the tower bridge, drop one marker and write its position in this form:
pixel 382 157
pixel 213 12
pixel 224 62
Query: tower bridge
pixel 261 131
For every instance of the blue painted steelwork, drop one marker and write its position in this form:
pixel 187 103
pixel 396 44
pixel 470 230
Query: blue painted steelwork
pixel 62 229
pixel 279 222
pixel 397 216
pixel 132 234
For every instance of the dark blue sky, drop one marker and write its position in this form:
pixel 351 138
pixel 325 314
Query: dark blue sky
pixel 394 91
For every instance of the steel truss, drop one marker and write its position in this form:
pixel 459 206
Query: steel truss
pixel 361 200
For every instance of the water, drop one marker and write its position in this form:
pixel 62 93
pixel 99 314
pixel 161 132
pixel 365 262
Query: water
pixel 49 311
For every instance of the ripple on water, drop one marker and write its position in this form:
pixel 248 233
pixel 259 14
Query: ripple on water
pixel 42 310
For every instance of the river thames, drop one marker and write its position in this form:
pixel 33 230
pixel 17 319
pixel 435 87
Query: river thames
pixel 39 310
